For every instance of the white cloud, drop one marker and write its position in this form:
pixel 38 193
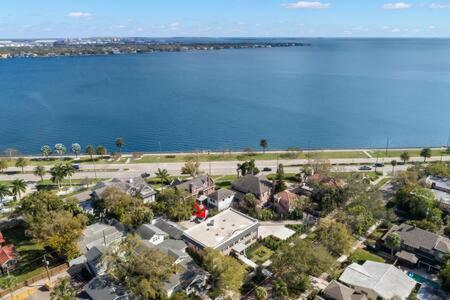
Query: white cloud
pixel 399 5
pixel 307 5
pixel 440 5
pixel 79 14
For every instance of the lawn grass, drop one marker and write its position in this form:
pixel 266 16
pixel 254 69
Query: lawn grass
pixel 259 253
pixel 412 153
pixel 30 254
pixel 360 256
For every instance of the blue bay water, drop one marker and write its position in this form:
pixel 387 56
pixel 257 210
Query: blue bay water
pixel 337 93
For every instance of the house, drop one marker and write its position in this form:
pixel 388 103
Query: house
pixel 151 233
pixel 200 185
pixel 224 231
pixel 424 247
pixel 285 202
pixel 135 187
pixel 441 189
pixel 8 258
pixel 100 234
pixel 221 199
pixel 105 288
pixel 338 291
pixel 93 260
pixel 378 280
pixel 259 186
pixel 189 278
pixel 174 230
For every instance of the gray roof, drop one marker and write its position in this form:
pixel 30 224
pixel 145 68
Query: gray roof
pixel 253 184
pixel 418 238
pixel 97 234
pixel 103 288
pixel 173 229
pixel 384 279
pixel 133 186
pixel 95 253
pixel 147 231
pixel 197 182
pixel 222 194
pixel 338 291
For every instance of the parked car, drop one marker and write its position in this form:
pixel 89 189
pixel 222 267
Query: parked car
pixel 365 168
pixel 145 175
pixel 267 169
pixel 378 165
pixel 76 166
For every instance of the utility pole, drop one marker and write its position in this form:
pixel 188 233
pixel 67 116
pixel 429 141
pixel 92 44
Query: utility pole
pixel 209 161
pixel 387 146
pixel 46 263
pixel 159 146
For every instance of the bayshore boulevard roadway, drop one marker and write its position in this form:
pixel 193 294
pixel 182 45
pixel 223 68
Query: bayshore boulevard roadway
pixel 128 170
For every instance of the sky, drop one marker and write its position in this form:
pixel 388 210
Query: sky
pixel 224 18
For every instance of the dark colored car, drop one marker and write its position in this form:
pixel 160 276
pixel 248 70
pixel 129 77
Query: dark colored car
pixel 365 168
pixel 378 165
pixel 76 166
pixel 145 175
pixel 267 169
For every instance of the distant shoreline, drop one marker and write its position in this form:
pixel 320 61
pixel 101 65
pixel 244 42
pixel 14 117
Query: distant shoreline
pixel 63 50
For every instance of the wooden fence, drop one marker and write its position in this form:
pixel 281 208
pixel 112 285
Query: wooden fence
pixel 53 271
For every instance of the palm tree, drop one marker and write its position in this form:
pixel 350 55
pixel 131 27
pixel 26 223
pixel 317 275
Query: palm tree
pixel 405 157
pixel 60 149
pixel 119 144
pixel 90 150
pixel 39 171
pixel 393 164
pixel 4 191
pixel 425 153
pixel 21 163
pixel 76 149
pixel 18 186
pixel 163 175
pixel 101 150
pixel 68 172
pixel 264 144
pixel 3 165
pixel 393 242
pixel 46 151
pixel 58 173
pixel 63 291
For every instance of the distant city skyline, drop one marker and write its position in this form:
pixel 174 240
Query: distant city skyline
pixel 224 18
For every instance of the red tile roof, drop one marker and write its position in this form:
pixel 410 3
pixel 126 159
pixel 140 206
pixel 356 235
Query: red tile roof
pixel 7 253
pixel 2 239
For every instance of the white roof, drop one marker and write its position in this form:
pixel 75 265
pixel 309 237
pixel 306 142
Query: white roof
pixel 384 279
pixel 220 228
pixel 279 231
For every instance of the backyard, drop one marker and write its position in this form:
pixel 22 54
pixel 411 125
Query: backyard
pixel 259 253
pixel 30 254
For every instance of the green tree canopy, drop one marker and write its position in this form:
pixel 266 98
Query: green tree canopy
pixel 335 236
pixel 294 262
pixel 142 269
pixel 63 290
pixel 418 202
pixel 22 163
pixel 115 203
pixel 191 168
pixel 227 273
pixel 248 167
pixel 176 205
